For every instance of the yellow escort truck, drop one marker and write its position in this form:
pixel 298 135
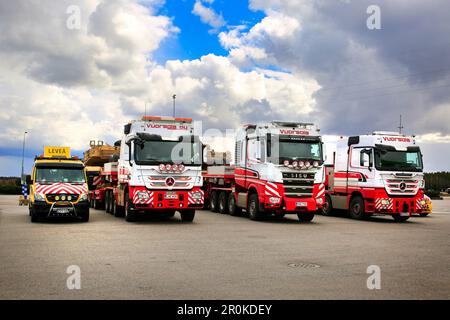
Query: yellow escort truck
pixel 58 186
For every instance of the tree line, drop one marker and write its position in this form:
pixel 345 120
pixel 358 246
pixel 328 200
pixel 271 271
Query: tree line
pixel 10 185
pixel 437 181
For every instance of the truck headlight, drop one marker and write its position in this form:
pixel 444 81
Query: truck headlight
pixel 274 199
pixel 385 202
pixel 143 195
pixel 319 200
pixel 422 184
pixel 84 197
pixel 39 197
pixel 196 195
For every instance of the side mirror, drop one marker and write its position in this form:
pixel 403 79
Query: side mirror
pixel 29 180
pixel 364 160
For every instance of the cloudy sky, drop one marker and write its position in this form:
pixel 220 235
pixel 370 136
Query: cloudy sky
pixel 72 71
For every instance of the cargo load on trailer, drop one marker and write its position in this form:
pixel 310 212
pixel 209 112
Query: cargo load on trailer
pixel 58 186
pixel 99 153
pixel 278 170
pixel 376 174
pixel 101 169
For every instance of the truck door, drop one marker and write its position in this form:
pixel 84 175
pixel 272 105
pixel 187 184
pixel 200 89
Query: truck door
pixel 361 172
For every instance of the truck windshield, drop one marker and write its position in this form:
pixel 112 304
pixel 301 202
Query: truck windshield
pixel 398 160
pixel 296 150
pixel 51 175
pixel 164 151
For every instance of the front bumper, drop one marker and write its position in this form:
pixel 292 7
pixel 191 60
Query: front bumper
pixel 168 199
pixel 43 209
pixel 293 205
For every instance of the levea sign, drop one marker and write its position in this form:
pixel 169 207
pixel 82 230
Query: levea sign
pixel 56 152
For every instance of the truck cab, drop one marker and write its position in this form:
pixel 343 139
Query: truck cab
pixel 379 173
pixel 58 186
pixel 159 168
pixel 282 162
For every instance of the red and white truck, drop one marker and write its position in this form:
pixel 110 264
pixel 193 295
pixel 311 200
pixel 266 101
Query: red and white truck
pixel 376 174
pixel 278 170
pixel 159 169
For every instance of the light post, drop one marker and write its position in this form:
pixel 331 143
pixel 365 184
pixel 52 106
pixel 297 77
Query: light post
pixel 23 156
pixel 174 97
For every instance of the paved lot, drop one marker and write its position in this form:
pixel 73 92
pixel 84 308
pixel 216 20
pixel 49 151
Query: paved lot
pixel 224 257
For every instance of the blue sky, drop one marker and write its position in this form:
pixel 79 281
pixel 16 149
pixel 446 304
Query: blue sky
pixel 195 39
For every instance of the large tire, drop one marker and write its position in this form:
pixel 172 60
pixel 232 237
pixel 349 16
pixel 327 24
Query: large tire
pixel 253 208
pixel 112 205
pixel 187 215
pixel 33 215
pixel 214 202
pixel 169 213
pixel 97 204
pixel 223 203
pixel 118 210
pixel 356 209
pixel 107 202
pixel 130 216
pixel 399 218
pixel 233 209
pixel 305 216
pixel 85 217
pixel 327 207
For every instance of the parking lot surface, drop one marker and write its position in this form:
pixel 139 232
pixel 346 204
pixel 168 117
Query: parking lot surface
pixel 224 257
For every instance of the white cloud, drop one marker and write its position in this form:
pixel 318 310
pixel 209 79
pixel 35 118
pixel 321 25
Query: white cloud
pixel 208 15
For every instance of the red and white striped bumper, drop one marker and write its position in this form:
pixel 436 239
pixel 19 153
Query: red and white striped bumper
pixel 168 199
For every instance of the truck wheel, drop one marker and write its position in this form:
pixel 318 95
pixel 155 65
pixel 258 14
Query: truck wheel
pixel 107 202
pixel 327 207
pixel 118 210
pixel 169 213
pixel 130 216
pixel 34 217
pixel 112 205
pixel 223 203
pixel 399 218
pixel 356 209
pixel 91 202
pixel 214 205
pixel 96 204
pixel 253 210
pixel 187 215
pixel 85 217
pixel 305 216
pixel 423 214
pixel 232 208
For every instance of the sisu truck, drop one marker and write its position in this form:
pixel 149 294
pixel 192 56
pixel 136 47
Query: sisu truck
pixel 376 174
pixel 278 170
pixel 159 169
pixel 58 186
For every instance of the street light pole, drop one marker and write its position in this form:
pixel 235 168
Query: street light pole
pixel 174 97
pixel 23 156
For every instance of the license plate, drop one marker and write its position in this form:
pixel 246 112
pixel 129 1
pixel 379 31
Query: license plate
pixel 404 214
pixel 170 195
pixel 64 210
pixel 301 204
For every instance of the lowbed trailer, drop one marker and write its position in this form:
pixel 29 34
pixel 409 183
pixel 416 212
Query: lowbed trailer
pixel 278 170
